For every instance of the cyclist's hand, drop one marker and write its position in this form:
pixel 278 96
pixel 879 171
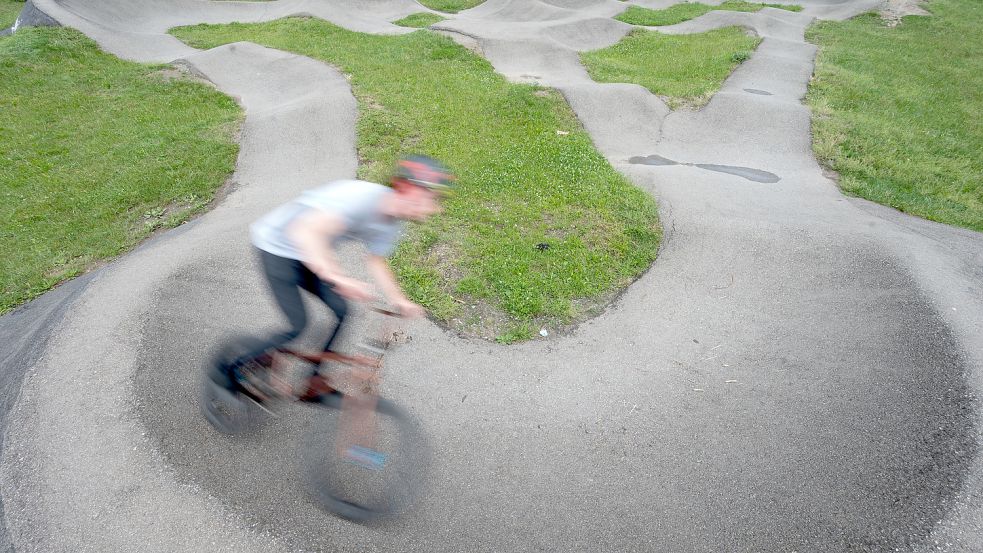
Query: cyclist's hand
pixel 353 289
pixel 408 309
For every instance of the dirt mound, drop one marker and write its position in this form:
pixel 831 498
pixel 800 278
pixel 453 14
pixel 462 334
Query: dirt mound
pixel 894 10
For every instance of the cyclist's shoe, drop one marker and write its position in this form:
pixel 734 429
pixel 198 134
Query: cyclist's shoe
pixel 316 388
pixel 252 380
pixel 242 369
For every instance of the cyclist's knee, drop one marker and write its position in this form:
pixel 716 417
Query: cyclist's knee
pixel 338 306
pixel 298 322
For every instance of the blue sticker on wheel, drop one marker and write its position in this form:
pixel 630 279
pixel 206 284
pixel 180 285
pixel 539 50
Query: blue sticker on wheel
pixel 365 457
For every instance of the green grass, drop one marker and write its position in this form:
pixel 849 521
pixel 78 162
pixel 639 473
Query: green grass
pixel 637 15
pixel 95 153
pixel 528 174
pixel 896 111
pixel 419 20
pixel 9 10
pixel 450 6
pixel 684 69
pixel 517 333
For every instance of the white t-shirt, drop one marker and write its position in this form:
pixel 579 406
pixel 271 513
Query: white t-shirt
pixel 355 201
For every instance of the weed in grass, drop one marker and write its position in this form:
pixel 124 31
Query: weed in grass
pixel 637 15
pixel 521 183
pixel 686 70
pixel 896 110
pixel 517 333
pixel 419 20
pixel 97 152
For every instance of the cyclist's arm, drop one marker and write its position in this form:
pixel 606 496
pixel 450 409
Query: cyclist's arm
pixel 313 234
pixel 384 277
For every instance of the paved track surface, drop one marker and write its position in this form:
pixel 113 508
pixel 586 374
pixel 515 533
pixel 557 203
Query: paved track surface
pixel 24 333
pixel 852 333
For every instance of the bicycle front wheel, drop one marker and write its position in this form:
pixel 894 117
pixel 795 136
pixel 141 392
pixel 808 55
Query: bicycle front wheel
pixel 377 475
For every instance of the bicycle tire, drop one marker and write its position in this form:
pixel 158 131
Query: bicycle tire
pixel 332 479
pixel 223 403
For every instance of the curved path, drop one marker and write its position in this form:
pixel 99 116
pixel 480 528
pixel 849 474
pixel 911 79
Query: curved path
pixel 794 373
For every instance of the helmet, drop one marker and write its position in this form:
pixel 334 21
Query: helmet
pixel 424 171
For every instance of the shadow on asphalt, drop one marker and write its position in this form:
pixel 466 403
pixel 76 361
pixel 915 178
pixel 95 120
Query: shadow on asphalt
pixel 818 452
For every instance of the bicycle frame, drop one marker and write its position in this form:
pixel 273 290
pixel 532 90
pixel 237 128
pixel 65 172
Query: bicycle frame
pixel 356 424
pixel 362 367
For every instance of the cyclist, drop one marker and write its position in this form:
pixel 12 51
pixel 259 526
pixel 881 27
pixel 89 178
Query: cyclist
pixel 298 240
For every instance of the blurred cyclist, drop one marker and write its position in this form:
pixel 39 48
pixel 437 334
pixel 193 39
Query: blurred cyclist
pixel 298 240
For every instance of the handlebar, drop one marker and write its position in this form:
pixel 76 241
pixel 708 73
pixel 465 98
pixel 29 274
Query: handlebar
pixel 386 312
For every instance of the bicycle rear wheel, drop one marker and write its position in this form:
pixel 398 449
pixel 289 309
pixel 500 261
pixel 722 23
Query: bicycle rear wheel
pixel 223 402
pixel 366 483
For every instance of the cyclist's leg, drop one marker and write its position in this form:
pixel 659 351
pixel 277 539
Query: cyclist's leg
pixel 318 387
pixel 285 277
pixel 339 306
pixel 332 299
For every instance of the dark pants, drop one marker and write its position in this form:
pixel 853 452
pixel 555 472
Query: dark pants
pixel 287 277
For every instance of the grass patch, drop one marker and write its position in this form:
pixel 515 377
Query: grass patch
pixel 9 10
pixel 450 6
pixel 517 333
pixel 637 15
pixel 528 174
pixel 896 111
pixel 419 20
pixel 96 153
pixel 686 70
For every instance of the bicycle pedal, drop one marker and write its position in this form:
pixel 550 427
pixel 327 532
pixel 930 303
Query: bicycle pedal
pixel 317 399
pixel 365 457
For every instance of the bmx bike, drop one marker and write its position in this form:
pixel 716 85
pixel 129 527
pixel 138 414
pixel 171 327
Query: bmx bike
pixel 364 458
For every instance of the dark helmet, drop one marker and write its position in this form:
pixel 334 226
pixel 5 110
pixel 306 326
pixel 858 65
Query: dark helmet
pixel 424 171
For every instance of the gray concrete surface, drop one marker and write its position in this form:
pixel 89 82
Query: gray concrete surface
pixel 797 371
pixel 24 334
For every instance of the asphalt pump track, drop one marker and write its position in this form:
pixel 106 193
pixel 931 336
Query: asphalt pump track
pixel 797 370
